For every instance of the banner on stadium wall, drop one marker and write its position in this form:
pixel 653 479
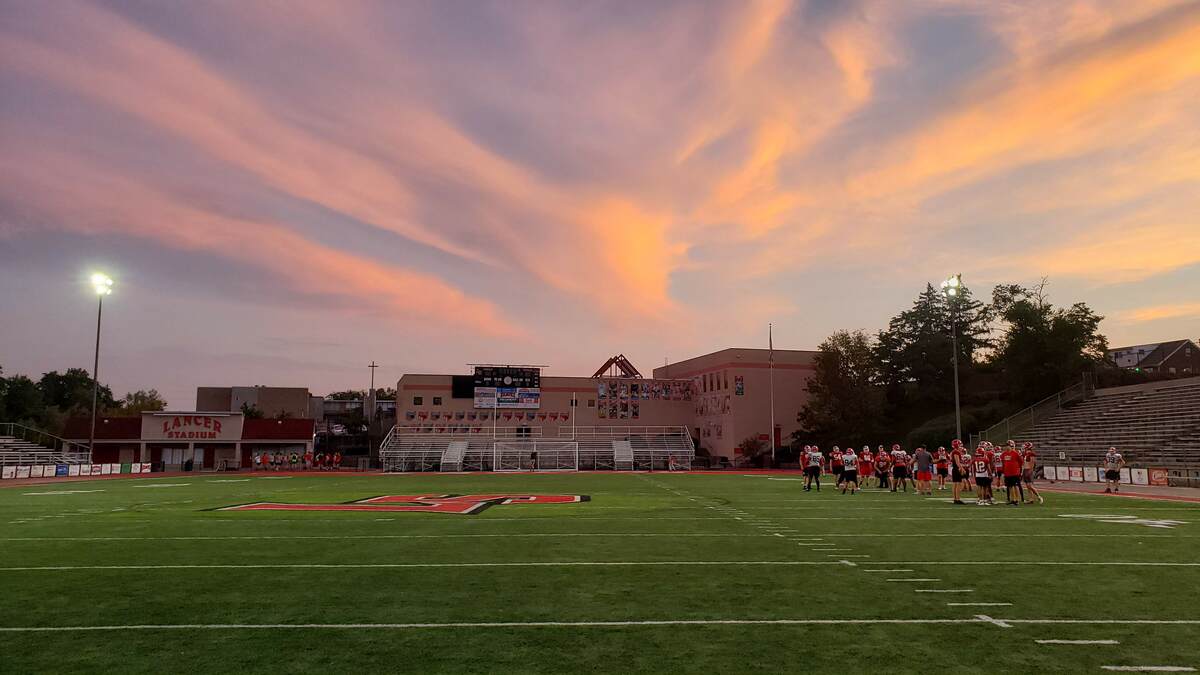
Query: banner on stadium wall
pixel 62 470
pixel 1091 474
pixel 1048 472
pixel 105 469
pixel 1140 476
pixel 135 468
pixel 169 426
pixel 1076 474
pixel 8 472
pixel 73 470
pixel 1159 477
pixel 35 471
pixel 96 469
pixel 508 397
pixel 145 467
pixel 1125 477
pixel 22 472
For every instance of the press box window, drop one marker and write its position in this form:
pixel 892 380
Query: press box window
pixel 437 400
pixel 418 400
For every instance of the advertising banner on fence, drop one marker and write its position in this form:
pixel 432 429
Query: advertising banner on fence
pixel 1048 472
pixel 1140 476
pixel 1159 477
pixel 8 472
pixel 1090 474
pixel 1077 474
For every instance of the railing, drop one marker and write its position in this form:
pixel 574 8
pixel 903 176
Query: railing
pixel 39 437
pixel 1027 418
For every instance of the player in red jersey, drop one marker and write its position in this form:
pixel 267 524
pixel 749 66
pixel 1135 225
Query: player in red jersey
pixel 1029 461
pixel 835 464
pixel 941 462
pixel 981 466
pixel 336 463
pixel 1010 463
pixel 866 465
pixel 883 468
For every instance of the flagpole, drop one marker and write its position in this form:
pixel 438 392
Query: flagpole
pixel 771 377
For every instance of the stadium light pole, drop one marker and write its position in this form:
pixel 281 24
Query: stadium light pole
pixel 103 286
pixel 950 288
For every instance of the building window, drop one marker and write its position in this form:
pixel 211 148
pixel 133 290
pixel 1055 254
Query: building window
pixel 437 400
pixel 418 400
pixel 591 403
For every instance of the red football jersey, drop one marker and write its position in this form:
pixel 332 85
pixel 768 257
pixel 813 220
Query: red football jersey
pixel 1011 460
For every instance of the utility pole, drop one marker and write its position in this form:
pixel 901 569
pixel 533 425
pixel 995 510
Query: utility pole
pixel 371 393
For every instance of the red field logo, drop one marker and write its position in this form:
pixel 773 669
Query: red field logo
pixel 462 504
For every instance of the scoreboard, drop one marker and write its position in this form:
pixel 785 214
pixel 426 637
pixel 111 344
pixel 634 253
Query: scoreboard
pixel 508 376
pixel 508 387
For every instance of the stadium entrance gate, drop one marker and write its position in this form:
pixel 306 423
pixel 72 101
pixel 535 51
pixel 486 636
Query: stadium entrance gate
pixel 550 456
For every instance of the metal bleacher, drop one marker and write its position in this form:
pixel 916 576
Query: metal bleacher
pixel 1152 425
pixel 416 448
pixel 21 445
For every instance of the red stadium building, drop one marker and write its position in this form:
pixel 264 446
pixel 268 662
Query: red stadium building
pixel 177 439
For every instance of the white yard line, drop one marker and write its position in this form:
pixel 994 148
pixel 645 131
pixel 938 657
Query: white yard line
pixel 387 536
pixel 881 571
pixel 1004 563
pixel 979 604
pixel 1150 668
pixel 1077 642
pixel 655 563
pixel 978 619
pixel 945 590
pixel 909 581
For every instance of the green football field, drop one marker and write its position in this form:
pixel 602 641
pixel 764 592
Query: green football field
pixel 653 573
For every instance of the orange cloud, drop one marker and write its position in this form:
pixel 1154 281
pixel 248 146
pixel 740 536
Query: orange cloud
pixel 1186 310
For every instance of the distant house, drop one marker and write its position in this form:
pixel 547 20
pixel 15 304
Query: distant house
pixel 1177 357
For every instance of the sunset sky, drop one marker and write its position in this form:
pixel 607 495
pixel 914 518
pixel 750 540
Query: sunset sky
pixel 285 191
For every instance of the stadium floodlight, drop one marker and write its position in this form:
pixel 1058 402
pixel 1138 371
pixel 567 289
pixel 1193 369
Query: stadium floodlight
pixel 102 284
pixel 950 289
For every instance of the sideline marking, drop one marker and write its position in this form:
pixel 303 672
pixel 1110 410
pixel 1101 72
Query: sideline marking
pixel 909 581
pixel 945 590
pixel 978 619
pixel 1077 642
pixel 655 563
pixel 881 571
pixel 161 485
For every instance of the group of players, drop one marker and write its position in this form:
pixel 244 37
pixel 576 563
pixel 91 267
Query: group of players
pixel 980 471
pixel 295 461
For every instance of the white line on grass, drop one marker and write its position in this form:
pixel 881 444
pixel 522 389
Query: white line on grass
pixel 1038 562
pixel 654 563
pixel 910 581
pixel 979 604
pixel 59 492
pixel 946 590
pixel 997 622
pixel 1077 642
pixel 881 571
pixel 388 536
pixel 161 485
pixel 1150 668
pixel 979 619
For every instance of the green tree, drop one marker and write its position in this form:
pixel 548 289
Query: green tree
pixel 845 403
pixel 347 395
pixel 137 402
pixel 1043 348
pixel 916 352
pixel 754 450
pixel 23 401
pixel 252 412
pixel 71 392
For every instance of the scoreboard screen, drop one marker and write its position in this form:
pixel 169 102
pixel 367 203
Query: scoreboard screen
pixel 507 376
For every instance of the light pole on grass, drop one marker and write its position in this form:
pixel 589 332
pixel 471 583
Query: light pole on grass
pixel 103 285
pixel 951 288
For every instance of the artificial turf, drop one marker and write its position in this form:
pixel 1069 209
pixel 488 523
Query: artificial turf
pixel 291 591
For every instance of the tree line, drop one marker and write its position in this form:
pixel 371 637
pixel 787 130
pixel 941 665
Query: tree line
pixel 897 384
pixel 48 402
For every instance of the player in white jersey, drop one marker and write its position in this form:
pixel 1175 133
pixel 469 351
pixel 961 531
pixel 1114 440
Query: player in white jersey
pixel 849 471
pixel 1113 463
pixel 812 467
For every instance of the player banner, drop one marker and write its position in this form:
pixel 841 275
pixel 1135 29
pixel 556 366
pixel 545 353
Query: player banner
pixel 508 397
